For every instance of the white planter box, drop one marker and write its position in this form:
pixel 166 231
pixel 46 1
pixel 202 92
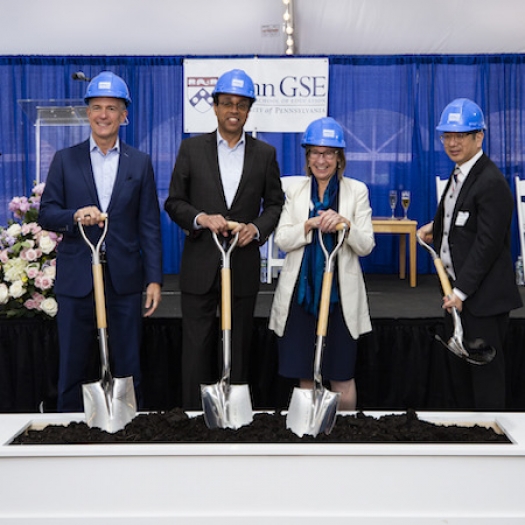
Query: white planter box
pixel 278 484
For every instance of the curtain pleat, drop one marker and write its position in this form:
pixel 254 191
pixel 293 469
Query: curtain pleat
pixel 399 365
pixel 389 107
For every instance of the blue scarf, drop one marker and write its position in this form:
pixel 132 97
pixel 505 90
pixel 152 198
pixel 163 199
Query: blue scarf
pixel 313 264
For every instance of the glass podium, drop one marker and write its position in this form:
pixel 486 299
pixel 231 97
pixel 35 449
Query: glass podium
pixel 61 113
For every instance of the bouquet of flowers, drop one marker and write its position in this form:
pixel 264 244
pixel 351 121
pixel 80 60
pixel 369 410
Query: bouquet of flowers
pixel 28 261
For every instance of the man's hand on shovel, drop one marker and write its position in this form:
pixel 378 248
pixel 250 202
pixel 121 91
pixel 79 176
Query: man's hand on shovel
pixel 89 216
pixel 452 301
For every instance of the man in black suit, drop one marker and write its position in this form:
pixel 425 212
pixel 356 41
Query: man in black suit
pixel 220 176
pixel 471 232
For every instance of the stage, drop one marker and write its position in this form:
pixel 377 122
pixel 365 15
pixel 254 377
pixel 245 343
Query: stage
pixel 389 298
pixel 400 365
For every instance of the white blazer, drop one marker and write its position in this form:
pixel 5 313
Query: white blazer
pixel 354 205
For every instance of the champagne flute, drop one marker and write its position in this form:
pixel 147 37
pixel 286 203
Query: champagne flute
pixel 405 201
pixel 393 201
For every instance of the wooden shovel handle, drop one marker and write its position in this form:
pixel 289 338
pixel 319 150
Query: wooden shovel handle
pixel 226 307
pixel 100 301
pixel 443 277
pixel 324 306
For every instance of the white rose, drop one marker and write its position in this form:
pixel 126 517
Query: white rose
pixel 4 294
pixel 14 230
pixel 17 289
pixel 47 244
pixel 49 306
pixel 14 270
pixel 50 271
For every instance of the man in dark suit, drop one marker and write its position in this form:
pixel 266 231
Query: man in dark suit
pixel 103 175
pixel 220 176
pixel 471 232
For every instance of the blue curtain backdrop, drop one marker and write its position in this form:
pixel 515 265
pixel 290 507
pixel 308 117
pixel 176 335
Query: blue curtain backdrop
pixel 388 105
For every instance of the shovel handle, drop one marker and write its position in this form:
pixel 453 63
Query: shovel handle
pixel 226 307
pixel 100 300
pixel 322 323
pixel 443 277
pixel 98 279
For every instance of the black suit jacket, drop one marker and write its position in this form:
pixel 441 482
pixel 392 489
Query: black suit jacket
pixel 196 187
pixel 479 241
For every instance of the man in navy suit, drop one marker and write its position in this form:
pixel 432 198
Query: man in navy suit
pixel 222 175
pixel 471 232
pixel 103 175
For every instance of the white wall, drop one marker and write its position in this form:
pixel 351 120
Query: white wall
pixel 224 27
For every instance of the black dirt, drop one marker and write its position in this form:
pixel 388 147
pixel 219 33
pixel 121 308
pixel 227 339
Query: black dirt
pixel 175 426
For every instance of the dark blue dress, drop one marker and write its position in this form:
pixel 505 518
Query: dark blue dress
pixel 297 345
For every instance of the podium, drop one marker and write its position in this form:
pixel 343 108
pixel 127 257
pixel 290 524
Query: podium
pixel 64 113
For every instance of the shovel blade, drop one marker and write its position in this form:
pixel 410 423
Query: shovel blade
pixel 226 406
pixel 311 413
pixel 110 412
pixel 475 353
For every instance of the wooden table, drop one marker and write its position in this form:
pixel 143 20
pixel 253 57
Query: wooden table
pixel 403 227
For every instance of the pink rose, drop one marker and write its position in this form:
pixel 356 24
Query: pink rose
pixel 30 304
pixel 44 282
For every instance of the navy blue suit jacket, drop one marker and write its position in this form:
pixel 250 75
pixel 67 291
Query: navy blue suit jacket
pixel 133 243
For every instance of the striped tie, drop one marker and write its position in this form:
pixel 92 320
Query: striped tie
pixel 456 174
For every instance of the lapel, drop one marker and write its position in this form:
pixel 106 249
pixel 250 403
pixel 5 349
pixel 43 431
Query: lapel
pixel 211 158
pixel 467 185
pixel 87 173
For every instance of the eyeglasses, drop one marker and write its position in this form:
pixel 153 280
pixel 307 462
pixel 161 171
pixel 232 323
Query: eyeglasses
pixel 446 138
pixel 328 154
pixel 241 106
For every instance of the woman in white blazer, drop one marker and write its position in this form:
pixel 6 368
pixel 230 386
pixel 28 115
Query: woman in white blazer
pixel 324 199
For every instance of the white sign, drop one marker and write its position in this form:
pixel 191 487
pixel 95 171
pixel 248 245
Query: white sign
pixel 291 92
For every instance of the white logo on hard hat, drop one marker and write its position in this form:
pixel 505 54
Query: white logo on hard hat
pixel 329 133
pixel 237 83
pixel 454 117
pixel 104 84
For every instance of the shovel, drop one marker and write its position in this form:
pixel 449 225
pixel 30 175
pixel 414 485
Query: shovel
pixel 110 403
pixel 477 352
pixel 314 411
pixel 225 405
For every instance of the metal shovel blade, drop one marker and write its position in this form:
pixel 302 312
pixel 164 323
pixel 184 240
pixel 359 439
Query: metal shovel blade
pixel 110 403
pixel 226 406
pixel 477 352
pixel 111 408
pixel 312 412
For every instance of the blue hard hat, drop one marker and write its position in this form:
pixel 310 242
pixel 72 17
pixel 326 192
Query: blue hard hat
pixel 235 82
pixel 324 132
pixel 107 84
pixel 461 115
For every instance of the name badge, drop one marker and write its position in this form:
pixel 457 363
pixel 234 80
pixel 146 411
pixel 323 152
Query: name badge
pixel 462 218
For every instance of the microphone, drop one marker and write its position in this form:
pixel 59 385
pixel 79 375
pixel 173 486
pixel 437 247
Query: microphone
pixel 79 75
